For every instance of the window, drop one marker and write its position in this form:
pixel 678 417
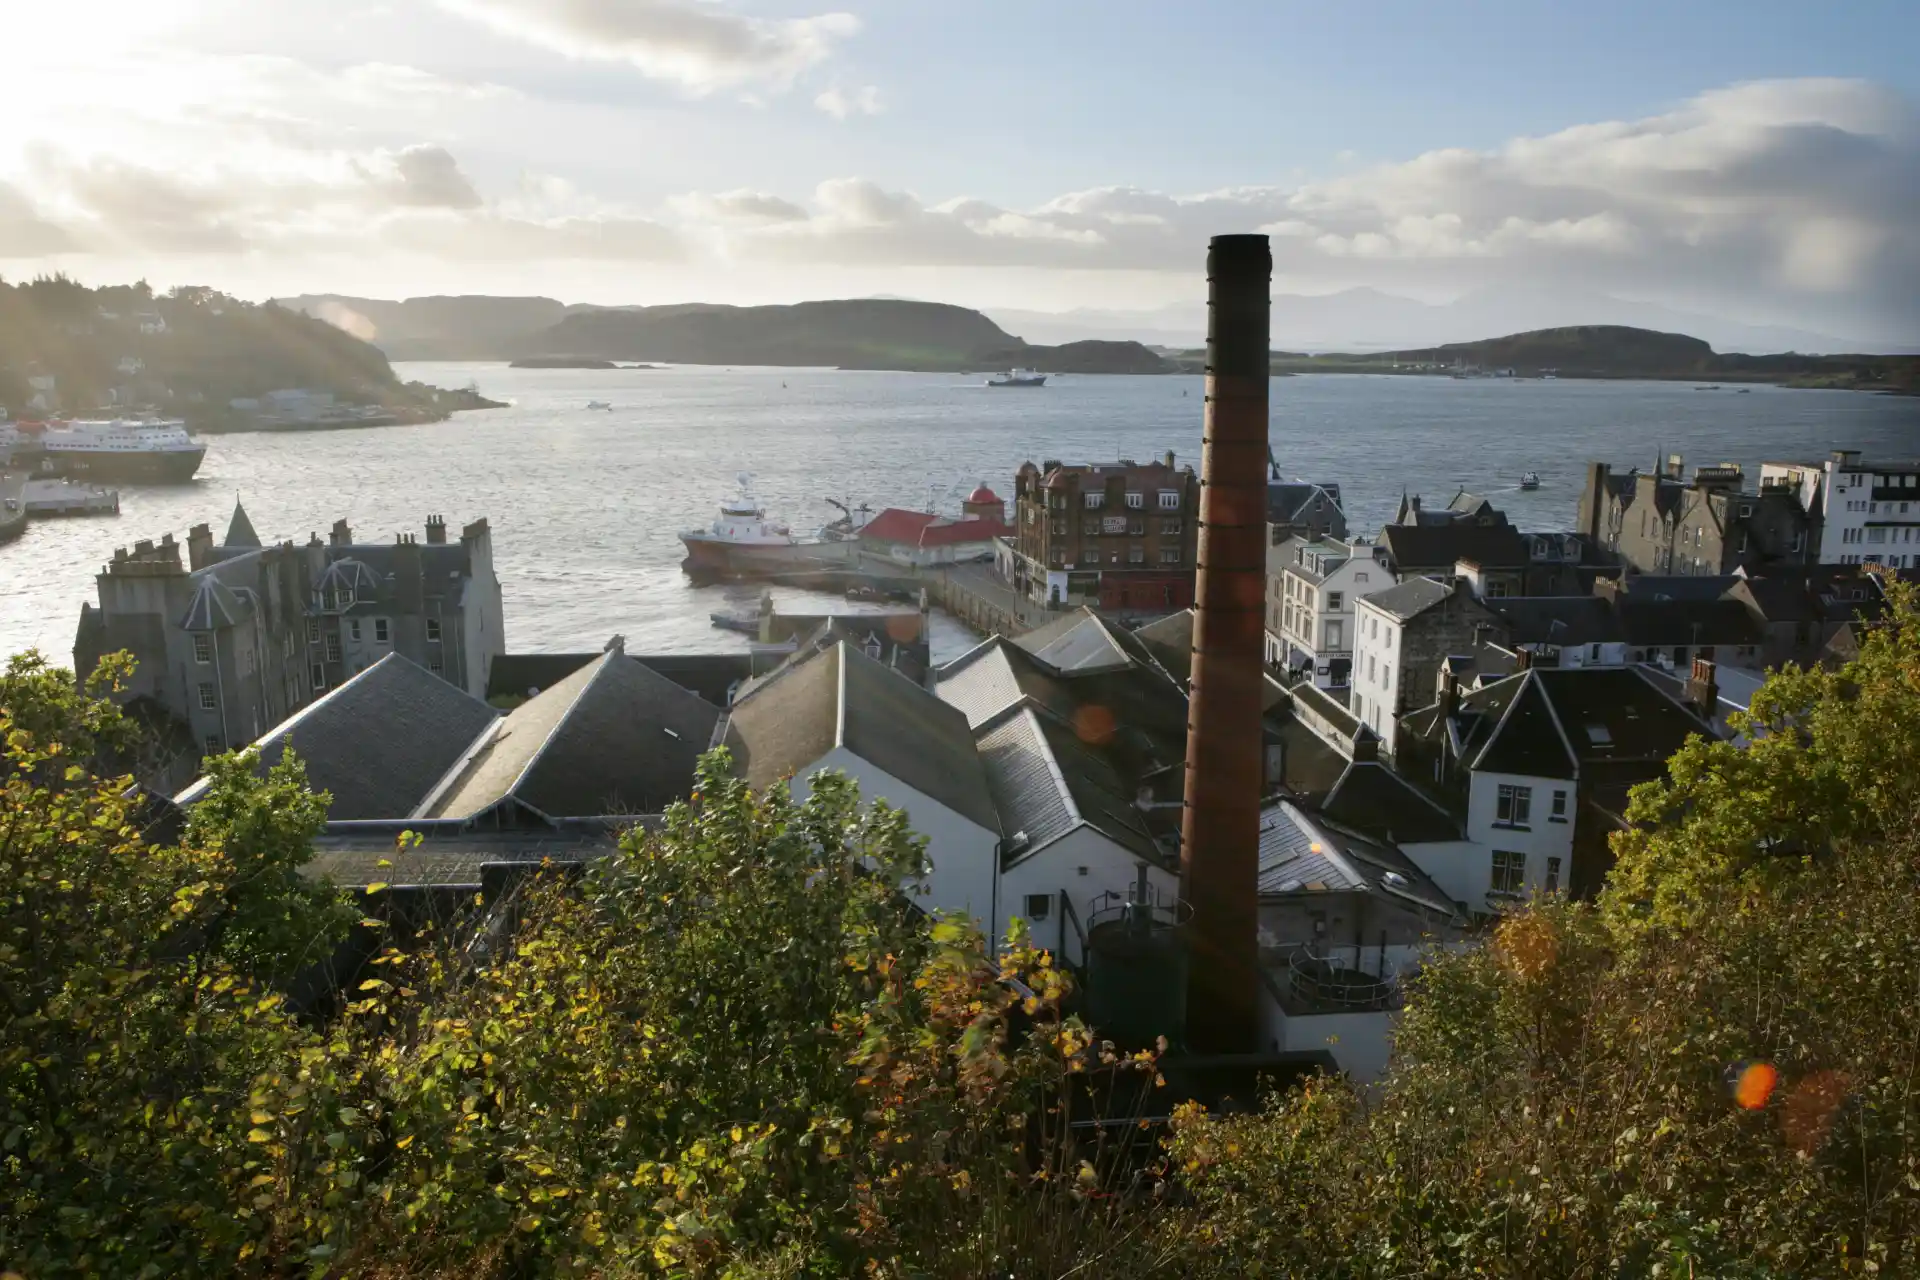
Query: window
pixel 1559 813
pixel 1593 653
pixel 1137 500
pixel 433 662
pixel 319 677
pixel 1496 590
pixel 1039 906
pixel 313 631
pixel 286 645
pixel 1336 635
pixel 1095 501
pixel 353 627
pixel 1370 674
pixel 1514 806
pixel 211 745
pixel 380 630
pixel 1170 555
pixel 433 631
pixel 1553 875
pixel 203 649
pixel 333 646
pixel 1136 555
pixel 1359 577
pixel 1137 528
pixel 1169 500
pixel 1509 872
pixel 1170 527
pixel 1090 527
pixel 207 699
pixel 1334 601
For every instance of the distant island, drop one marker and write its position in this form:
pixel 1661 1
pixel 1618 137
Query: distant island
pixel 572 362
pixel 198 354
pixel 865 333
pixel 897 334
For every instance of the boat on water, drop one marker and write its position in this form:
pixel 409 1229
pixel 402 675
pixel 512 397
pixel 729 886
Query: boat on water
pixel 743 543
pixel 599 404
pixel 1531 480
pixel 1714 387
pixel 747 624
pixel 116 450
pixel 1018 378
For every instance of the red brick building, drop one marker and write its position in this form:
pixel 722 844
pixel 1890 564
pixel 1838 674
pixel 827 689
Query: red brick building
pixel 1119 535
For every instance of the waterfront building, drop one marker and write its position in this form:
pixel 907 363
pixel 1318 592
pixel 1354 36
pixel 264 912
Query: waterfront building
pixel 924 539
pixel 1662 522
pixel 1121 535
pixel 1313 586
pixel 242 635
pixel 1862 512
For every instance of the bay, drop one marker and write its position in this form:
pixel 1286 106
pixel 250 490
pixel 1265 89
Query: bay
pixel 585 505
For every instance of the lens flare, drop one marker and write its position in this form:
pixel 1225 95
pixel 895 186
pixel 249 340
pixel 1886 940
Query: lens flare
pixel 1754 1085
pixel 1094 724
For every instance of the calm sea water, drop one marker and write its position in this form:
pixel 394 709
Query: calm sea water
pixel 585 505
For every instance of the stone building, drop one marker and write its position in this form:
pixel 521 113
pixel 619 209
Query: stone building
pixel 1303 509
pixel 243 635
pixel 1662 522
pixel 1312 587
pixel 1120 535
pixel 1401 637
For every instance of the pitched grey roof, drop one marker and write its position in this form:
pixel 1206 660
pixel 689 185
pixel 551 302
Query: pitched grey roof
pixel 982 682
pixel 240 529
pixel 215 606
pixel 444 859
pixel 1563 620
pixel 1299 854
pixel 612 738
pixel 1045 783
pixel 1081 643
pixel 1374 800
pixel 1170 640
pixel 379 742
pixel 1411 598
pixel 841 697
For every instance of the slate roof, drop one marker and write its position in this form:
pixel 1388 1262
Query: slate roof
pixel 1687 622
pixel 379 742
pixel 612 738
pixel 841 697
pixel 1423 546
pixel 1083 643
pixel 1411 598
pixel 709 675
pixel 1374 800
pixel 1549 722
pixel 1170 641
pixel 1045 784
pixel 1299 854
pixel 1562 620
pixel 984 681
pixel 449 859
pixel 1289 499
pixel 215 606
pixel 240 529
pixel 1653 587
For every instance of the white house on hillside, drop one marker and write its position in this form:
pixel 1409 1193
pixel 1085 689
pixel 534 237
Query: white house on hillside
pixel 1312 587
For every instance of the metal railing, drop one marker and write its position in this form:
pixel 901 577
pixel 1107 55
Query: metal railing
pixel 1325 984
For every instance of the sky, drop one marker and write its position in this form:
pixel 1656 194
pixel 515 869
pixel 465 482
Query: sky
pixel 1750 159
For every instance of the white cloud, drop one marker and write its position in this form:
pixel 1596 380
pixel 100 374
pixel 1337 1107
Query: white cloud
pixel 840 104
pixel 696 43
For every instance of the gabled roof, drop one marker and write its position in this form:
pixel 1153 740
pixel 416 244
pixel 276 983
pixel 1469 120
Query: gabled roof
pixel 215 606
pixel 1528 738
pixel 240 529
pixel 985 680
pixel 1170 640
pixel 612 738
pixel 1562 620
pixel 1411 598
pixel 895 524
pixel 842 698
pixel 1421 546
pixel 379 742
pixel 1288 500
pixel 1374 800
pixel 1553 722
pixel 711 675
pixel 1046 783
pixel 1299 854
pixel 1083 643
pixel 951 533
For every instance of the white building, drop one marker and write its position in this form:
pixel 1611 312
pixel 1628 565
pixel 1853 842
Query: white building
pixel 839 709
pixel 1869 512
pixel 1402 636
pixel 1311 590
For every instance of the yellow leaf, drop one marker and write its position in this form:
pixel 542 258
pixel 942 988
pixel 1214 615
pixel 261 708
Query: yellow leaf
pixel 259 1135
pixel 262 1117
pixel 405 1142
pixel 376 887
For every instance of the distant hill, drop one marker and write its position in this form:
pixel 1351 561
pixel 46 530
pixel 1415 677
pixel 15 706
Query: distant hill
pixel 861 333
pixel 186 352
pixel 461 327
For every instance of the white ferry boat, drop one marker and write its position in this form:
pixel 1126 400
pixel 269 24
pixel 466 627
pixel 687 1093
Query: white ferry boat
pixel 121 450
pixel 743 542
pixel 1018 378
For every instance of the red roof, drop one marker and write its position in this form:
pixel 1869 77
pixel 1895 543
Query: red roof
pixel 896 525
pixel 983 494
pixel 924 529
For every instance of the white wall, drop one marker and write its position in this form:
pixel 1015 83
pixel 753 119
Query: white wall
pixel 1110 869
pixel 1377 640
pixel 1361 1043
pixel 1543 837
pixel 1462 868
pixel 961 851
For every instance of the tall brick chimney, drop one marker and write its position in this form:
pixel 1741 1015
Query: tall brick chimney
pixel 1220 829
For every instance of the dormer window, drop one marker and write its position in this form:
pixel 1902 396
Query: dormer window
pixel 1095 501
pixel 1136 501
pixel 1169 500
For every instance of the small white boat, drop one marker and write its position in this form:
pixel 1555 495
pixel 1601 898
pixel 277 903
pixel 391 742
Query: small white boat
pixel 1018 378
pixel 599 404
pixel 1531 480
